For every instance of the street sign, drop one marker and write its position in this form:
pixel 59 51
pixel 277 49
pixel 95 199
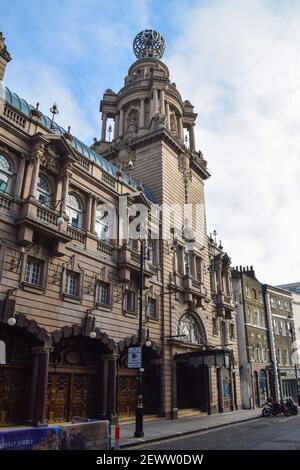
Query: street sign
pixel 134 358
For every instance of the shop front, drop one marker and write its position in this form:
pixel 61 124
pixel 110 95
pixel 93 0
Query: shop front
pixel 194 372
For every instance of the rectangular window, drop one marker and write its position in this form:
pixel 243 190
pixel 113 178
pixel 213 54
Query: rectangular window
pixel 103 293
pixel 285 357
pixel 72 284
pixel 254 294
pixel 255 317
pixel 249 320
pixel 214 327
pixel 247 292
pixel 279 356
pixel 152 308
pixel 130 300
pixel 33 272
pixel 232 331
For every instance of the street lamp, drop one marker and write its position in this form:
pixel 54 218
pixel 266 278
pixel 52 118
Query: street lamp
pixel 139 415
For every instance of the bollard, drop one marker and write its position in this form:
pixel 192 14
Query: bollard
pixel 117 436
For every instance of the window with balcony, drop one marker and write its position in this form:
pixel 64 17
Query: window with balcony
pixel 103 297
pixel 101 224
pixel 6 174
pixel 43 191
pixel 72 284
pixel 33 272
pixel 152 308
pixel 129 301
pixel 74 210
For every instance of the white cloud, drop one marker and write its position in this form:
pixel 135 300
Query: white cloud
pixel 238 62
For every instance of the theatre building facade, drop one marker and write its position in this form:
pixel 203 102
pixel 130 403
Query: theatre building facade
pixel 70 283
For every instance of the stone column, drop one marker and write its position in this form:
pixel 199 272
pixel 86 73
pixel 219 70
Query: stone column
pixel 88 214
pixel 219 278
pixel 33 386
pixel 162 102
pixel 41 377
pixel 103 132
pixel 155 101
pixel 58 194
pixel 121 123
pixel 192 137
pixel 93 215
pixel 34 177
pixel 112 387
pixel 20 176
pixel 116 126
pixel 174 391
pixel 142 113
pixel 180 127
pixel 65 190
pixel 168 114
pixel 104 387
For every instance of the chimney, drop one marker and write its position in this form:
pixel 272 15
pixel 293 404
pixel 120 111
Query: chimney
pixel 4 56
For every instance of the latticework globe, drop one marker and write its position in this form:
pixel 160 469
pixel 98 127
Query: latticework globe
pixel 149 44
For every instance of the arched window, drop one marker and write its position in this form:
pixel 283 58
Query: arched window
pixel 74 210
pixel 5 174
pixel 190 331
pixel 43 191
pixel 101 224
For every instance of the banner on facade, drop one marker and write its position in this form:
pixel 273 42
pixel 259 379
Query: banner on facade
pixel 30 439
pixel 84 436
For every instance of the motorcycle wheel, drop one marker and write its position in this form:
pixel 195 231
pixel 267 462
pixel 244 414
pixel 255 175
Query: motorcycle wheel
pixel 265 412
pixel 287 413
pixel 295 411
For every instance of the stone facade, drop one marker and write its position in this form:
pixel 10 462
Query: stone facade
pixel 280 309
pixel 254 342
pixel 70 287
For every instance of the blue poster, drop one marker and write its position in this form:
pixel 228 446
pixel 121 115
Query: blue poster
pixel 30 439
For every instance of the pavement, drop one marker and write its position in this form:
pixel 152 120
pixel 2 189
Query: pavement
pixel 163 429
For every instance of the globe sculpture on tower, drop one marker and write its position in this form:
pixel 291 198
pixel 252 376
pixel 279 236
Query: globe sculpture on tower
pixel 149 44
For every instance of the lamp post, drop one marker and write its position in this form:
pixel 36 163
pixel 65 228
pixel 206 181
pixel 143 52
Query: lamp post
pixel 139 414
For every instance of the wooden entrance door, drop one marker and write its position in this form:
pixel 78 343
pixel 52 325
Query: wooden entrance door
pixel 57 397
pixel 70 395
pixel 127 395
pixel 13 395
pixel 83 398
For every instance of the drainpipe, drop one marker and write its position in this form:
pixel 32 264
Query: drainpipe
pixel 272 341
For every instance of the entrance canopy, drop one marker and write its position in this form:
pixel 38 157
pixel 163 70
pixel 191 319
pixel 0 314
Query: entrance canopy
pixel 206 357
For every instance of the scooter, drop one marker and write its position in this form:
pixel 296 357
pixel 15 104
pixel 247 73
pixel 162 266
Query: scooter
pixel 275 408
pixel 291 405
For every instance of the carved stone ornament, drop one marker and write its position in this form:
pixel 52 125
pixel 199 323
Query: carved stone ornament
pixel 158 121
pixel 50 159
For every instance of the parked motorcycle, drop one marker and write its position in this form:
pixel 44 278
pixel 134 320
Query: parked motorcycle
pixel 291 405
pixel 275 408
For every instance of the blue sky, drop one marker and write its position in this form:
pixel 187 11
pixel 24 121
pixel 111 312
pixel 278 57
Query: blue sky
pixel 237 61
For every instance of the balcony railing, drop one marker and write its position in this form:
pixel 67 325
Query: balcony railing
pixel 76 234
pixel 47 216
pixel 5 202
pixel 105 248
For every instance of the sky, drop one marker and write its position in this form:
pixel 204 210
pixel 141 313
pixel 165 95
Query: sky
pixel 238 62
